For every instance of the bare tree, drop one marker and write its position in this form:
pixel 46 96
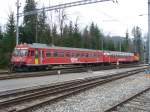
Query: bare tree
pixel 62 17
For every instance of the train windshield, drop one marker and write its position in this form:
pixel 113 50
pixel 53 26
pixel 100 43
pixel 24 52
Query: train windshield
pixel 20 52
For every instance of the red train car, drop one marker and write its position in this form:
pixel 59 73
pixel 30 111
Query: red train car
pixel 41 56
pixel 122 57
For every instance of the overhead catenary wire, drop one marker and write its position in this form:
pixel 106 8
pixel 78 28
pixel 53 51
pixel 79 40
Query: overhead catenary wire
pixel 54 7
pixel 63 5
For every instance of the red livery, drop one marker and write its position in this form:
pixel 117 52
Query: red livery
pixel 41 56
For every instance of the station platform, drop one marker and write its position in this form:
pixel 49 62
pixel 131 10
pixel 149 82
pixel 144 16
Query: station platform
pixel 3 70
pixel 12 84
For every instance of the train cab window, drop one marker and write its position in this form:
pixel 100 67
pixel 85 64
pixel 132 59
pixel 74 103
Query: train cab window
pixel 20 52
pixel 48 54
pixel 32 53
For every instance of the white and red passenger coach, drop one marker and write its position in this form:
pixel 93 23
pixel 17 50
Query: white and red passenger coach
pixel 41 56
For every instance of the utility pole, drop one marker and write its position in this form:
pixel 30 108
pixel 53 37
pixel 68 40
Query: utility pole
pixel 102 42
pixel 36 32
pixel 51 26
pixel 120 46
pixel 17 24
pixel 149 32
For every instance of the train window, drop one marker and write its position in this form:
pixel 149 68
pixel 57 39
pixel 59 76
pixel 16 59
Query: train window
pixel 78 55
pixel 29 52
pixel 87 55
pixel 99 55
pixel 82 55
pixel 61 54
pixel 55 54
pixel 94 55
pixel 67 54
pixel 48 54
pixel 73 54
pixel 32 53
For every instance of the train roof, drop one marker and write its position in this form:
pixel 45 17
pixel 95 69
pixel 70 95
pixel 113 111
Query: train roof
pixel 38 45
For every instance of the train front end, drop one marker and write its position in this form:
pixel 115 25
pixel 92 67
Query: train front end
pixel 19 57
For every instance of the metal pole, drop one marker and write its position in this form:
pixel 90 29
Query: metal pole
pixel 149 31
pixel 17 24
pixel 36 32
pixel 102 44
pixel 120 45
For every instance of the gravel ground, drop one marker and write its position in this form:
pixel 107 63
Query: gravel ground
pixel 12 84
pixel 100 98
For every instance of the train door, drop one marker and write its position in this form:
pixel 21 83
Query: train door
pixel 40 56
pixel 36 56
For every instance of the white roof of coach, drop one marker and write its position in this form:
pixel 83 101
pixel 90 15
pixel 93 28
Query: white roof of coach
pixel 38 45
pixel 116 53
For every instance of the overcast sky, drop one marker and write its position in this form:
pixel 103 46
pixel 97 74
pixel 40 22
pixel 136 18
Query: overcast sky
pixel 113 19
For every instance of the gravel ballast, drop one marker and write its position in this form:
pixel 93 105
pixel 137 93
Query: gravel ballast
pixel 100 98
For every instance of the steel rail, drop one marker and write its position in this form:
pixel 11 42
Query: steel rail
pixel 63 71
pixel 114 108
pixel 61 91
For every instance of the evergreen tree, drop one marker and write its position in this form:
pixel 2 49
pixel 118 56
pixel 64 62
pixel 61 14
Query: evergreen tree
pixel 70 29
pixel 111 45
pixel 68 40
pixel 86 38
pixel 95 37
pixel 127 42
pixel 54 36
pixel 10 35
pixel 8 41
pixel 1 47
pixel 136 31
pixel 76 36
pixel 42 28
pixel 30 21
pixel 66 31
pixel 66 37
pixel 92 36
pixel 1 34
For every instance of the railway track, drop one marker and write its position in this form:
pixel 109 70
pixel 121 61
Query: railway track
pixel 63 71
pixel 139 102
pixel 27 100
